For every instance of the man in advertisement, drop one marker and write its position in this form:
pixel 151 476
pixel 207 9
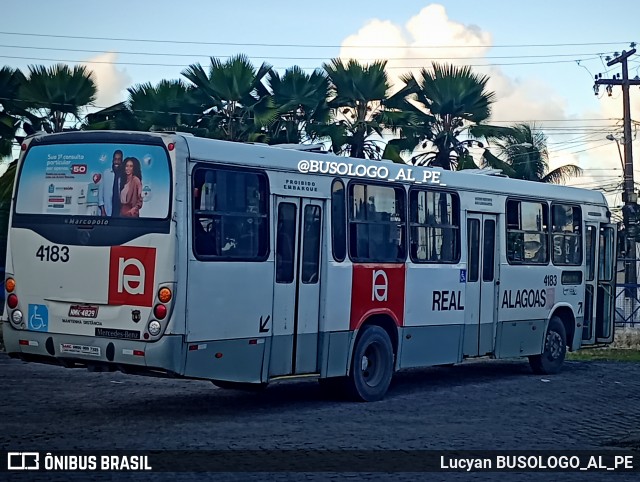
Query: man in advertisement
pixel 109 187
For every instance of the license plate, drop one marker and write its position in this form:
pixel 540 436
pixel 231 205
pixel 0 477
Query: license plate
pixel 80 349
pixel 80 311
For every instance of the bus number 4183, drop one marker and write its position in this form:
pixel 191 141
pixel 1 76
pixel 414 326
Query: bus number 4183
pixel 53 253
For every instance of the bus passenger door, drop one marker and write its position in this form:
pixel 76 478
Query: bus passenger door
pixel 296 304
pixel 481 285
pixel 599 284
pixel 590 283
pixel 606 295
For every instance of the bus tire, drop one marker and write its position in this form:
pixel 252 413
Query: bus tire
pixel 371 366
pixel 555 349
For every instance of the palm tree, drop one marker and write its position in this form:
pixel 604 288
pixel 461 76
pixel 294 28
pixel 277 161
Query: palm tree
pixel 6 183
pixel 6 189
pixel 10 82
pixel 10 116
pixel 169 105
pixel 55 93
pixel 237 105
pixel 301 103
pixel 525 152
pixel 358 94
pixel 450 102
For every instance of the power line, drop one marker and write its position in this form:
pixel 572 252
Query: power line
pixel 191 42
pixel 608 185
pixel 150 64
pixel 165 54
pixel 574 131
pixel 577 140
pixel 568 120
pixel 578 152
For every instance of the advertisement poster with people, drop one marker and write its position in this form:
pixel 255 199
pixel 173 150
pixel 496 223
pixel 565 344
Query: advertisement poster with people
pixel 107 180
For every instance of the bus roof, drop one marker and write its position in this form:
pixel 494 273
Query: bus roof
pixel 484 180
pixel 287 158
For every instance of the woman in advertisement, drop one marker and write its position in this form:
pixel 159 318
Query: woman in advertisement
pixel 131 192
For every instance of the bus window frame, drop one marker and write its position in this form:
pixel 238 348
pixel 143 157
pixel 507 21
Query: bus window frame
pixel 455 196
pixel 506 230
pixel 560 233
pixel 192 215
pixel 590 270
pixel 392 185
pixel 345 221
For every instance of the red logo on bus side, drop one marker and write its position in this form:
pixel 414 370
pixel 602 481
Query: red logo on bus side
pixel 131 275
pixel 377 288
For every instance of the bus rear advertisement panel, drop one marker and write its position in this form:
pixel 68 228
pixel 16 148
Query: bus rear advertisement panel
pixel 79 180
pixel 89 229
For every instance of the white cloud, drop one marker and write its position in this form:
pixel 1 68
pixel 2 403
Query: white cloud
pixel 517 99
pixel 404 46
pixel 111 81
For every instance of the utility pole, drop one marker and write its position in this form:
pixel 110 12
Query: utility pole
pixel 629 196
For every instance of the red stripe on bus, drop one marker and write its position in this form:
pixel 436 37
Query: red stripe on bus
pixel 377 289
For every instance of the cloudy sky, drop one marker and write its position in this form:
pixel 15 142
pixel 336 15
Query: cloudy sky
pixel 541 56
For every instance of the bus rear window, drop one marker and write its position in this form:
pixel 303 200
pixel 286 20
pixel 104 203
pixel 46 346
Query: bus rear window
pixel 110 180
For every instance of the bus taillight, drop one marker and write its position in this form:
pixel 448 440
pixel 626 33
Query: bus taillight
pixel 12 301
pixel 154 328
pixel 16 317
pixel 164 295
pixel 160 311
pixel 10 285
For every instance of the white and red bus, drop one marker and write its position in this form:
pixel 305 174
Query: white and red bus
pixel 243 263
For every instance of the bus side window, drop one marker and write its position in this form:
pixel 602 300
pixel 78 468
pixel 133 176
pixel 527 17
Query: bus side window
pixel 527 232
pixel 377 222
pixel 311 245
pixel 230 214
pixel 473 261
pixel 566 222
pixel 338 221
pixel 204 242
pixel 285 247
pixel 434 226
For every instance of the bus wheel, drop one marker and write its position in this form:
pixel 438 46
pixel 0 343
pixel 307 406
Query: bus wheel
pixel 372 366
pixel 555 349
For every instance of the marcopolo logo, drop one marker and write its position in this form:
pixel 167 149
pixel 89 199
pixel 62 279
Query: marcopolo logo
pixel 131 275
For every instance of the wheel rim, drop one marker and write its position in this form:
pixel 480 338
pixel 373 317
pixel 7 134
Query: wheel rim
pixel 371 368
pixel 554 345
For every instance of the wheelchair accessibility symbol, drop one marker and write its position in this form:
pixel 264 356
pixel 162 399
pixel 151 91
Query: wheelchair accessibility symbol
pixel 38 318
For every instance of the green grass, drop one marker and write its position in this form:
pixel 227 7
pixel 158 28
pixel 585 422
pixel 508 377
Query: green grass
pixel 608 354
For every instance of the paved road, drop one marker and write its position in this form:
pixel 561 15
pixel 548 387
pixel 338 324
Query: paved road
pixel 481 405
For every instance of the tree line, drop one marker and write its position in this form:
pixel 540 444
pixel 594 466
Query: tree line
pixel 434 118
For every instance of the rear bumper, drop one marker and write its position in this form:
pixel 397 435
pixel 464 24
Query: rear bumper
pixel 165 355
